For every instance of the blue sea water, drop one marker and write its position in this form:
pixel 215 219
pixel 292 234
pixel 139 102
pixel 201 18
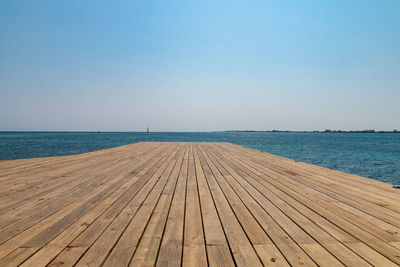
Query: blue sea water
pixel 371 155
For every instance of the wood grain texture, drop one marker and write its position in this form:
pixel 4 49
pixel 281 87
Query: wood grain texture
pixel 192 204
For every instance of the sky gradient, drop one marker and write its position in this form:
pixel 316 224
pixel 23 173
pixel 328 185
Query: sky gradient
pixel 188 66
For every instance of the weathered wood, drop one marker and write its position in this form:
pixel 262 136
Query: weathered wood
pixel 192 204
pixel 194 250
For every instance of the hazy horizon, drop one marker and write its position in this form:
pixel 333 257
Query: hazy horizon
pixel 210 66
pixel 228 130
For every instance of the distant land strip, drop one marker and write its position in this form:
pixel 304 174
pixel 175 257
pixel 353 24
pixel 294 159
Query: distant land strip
pixel 314 131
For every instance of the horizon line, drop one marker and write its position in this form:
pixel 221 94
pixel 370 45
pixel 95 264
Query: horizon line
pixel 210 131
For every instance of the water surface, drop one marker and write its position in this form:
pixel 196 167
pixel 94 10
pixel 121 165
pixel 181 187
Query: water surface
pixel 371 155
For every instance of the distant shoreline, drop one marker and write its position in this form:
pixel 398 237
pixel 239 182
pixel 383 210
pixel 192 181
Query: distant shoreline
pixel 325 131
pixel 14 133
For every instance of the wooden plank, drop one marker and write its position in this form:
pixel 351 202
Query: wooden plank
pixel 243 252
pixel 199 204
pixel 254 231
pixel 170 253
pixel 343 197
pixel 50 223
pixel 122 253
pixel 148 246
pixel 86 230
pixel 28 217
pixel 282 212
pixel 218 252
pixel 194 250
pixel 362 186
pixel 99 250
pixel 56 182
pixel 288 247
pixel 284 184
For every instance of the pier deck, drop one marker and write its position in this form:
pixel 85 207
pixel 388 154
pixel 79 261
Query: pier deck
pixel 192 204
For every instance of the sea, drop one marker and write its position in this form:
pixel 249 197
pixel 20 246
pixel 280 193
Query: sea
pixel 373 155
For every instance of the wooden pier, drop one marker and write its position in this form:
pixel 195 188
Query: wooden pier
pixel 192 204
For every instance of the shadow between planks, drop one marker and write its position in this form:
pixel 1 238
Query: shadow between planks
pixel 192 204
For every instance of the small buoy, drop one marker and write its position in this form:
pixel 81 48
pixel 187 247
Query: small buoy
pixel 396 186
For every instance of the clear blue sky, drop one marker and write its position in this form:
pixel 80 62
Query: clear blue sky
pixel 191 66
